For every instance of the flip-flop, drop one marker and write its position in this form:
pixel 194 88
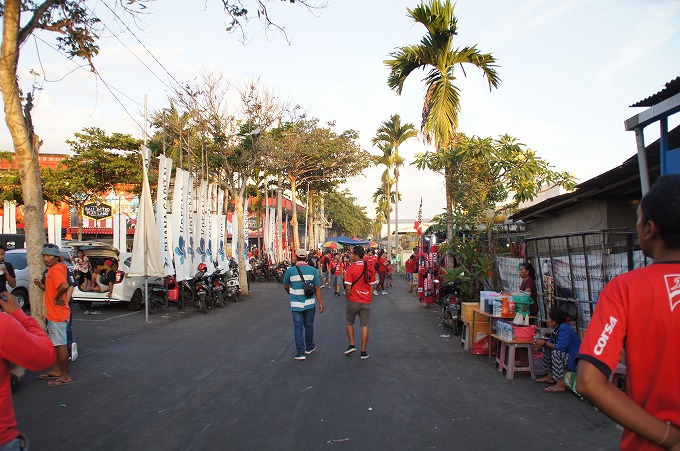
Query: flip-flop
pixel 48 376
pixel 552 389
pixel 545 381
pixel 58 383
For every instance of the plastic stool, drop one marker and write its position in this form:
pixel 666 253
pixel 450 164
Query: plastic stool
pixel 507 360
pixel 465 337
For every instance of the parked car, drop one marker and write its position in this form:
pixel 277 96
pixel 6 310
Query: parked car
pixel 17 257
pixel 128 289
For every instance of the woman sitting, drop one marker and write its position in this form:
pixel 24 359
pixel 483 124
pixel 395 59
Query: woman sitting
pixel 559 351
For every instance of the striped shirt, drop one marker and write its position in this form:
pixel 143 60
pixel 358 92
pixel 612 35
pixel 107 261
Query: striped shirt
pixel 298 300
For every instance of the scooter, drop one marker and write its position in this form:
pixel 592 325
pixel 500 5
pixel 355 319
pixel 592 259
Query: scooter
pixel 232 286
pixel 450 298
pixel 201 290
pixel 217 286
pixel 280 270
pixel 161 295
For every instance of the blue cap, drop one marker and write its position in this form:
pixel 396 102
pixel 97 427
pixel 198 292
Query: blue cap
pixel 50 249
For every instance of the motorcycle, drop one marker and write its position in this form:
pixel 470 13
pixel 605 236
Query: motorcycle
pixel 232 286
pixel 217 287
pixel 450 299
pixel 280 271
pixel 201 291
pixel 161 294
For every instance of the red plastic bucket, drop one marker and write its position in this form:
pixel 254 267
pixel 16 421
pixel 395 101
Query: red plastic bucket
pixel 524 333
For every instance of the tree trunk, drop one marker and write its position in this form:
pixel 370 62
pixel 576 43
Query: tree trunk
pixel 449 212
pixel 241 245
pixel 293 219
pixel 310 223
pixel 388 189
pixel 396 210
pixel 80 224
pixel 26 149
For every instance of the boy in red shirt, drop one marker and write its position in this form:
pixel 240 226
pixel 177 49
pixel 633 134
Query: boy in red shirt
pixel 640 311
pixel 359 278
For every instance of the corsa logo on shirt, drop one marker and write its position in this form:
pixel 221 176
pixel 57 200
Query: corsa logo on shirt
pixel 673 287
pixel 606 333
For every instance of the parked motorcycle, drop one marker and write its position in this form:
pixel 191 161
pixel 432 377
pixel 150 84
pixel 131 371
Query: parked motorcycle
pixel 280 271
pixel 217 287
pixel 201 290
pixel 161 294
pixel 450 299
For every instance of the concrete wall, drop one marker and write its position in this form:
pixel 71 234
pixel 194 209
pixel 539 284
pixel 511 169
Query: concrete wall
pixel 587 216
pixel 593 215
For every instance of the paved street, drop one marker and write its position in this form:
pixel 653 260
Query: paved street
pixel 228 380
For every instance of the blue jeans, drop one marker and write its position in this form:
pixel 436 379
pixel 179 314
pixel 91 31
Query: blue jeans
pixel 304 319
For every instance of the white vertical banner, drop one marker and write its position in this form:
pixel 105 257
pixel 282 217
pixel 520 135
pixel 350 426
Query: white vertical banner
pixel 233 231
pixel 210 231
pixel 270 237
pixel 54 229
pixel 2 224
pixel 191 223
pixel 179 225
pixel 164 171
pixel 120 232
pixel 147 259
pixel 222 241
pixel 204 227
pixel 5 217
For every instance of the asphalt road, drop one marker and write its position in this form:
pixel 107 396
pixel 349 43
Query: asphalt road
pixel 228 380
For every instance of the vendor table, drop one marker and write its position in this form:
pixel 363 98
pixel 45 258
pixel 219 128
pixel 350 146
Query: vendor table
pixel 492 321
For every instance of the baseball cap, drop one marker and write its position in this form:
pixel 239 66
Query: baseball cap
pixel 50 249
pixel 108 262
pixel 300 253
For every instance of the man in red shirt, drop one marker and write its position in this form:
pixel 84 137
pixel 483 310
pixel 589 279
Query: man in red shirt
pixel 410 269
pixel 57 313
pixel 359 278
pixel 22 342
pixel 640 311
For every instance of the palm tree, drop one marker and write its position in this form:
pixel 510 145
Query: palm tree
pixel 436 53
pixel 387 160
pixel 391 131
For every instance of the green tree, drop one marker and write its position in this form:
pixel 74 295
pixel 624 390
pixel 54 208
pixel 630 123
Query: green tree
pixel 437 54
pixel 100 162
pixel 393 132
pixel 492 175
pixel 349 218
pixel 305 152
pixel 77 29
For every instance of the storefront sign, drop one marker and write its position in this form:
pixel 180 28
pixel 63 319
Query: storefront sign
pixel 97 211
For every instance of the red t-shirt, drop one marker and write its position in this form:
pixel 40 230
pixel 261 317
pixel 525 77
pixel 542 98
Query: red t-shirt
pixel 382 264
pixel 339 267
pixel 640 310
pixel 410 266
pixel 23 342
pixel 361 291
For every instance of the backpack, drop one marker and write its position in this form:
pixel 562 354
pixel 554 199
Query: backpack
pixel 306 285
pixel 333 269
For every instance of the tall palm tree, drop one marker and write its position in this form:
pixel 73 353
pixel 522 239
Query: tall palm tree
pixel 387 160
pixel 436 54
pixel 391 131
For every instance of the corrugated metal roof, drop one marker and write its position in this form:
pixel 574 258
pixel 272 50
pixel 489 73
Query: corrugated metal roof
pixel 672 88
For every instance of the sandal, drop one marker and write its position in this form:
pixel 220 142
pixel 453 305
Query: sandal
pixel 552 389
pixel 59 382
pixel 48 376
pixel 545 380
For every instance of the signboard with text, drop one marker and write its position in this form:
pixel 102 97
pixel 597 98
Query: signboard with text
pixel 97 210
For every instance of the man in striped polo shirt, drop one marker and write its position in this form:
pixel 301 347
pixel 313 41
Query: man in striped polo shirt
pixel 302 306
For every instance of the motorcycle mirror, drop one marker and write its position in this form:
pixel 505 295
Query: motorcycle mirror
pixel 436 281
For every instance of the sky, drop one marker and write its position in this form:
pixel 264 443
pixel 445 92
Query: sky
pixel 568 70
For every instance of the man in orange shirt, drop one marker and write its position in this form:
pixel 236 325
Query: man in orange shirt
pixel 57 312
